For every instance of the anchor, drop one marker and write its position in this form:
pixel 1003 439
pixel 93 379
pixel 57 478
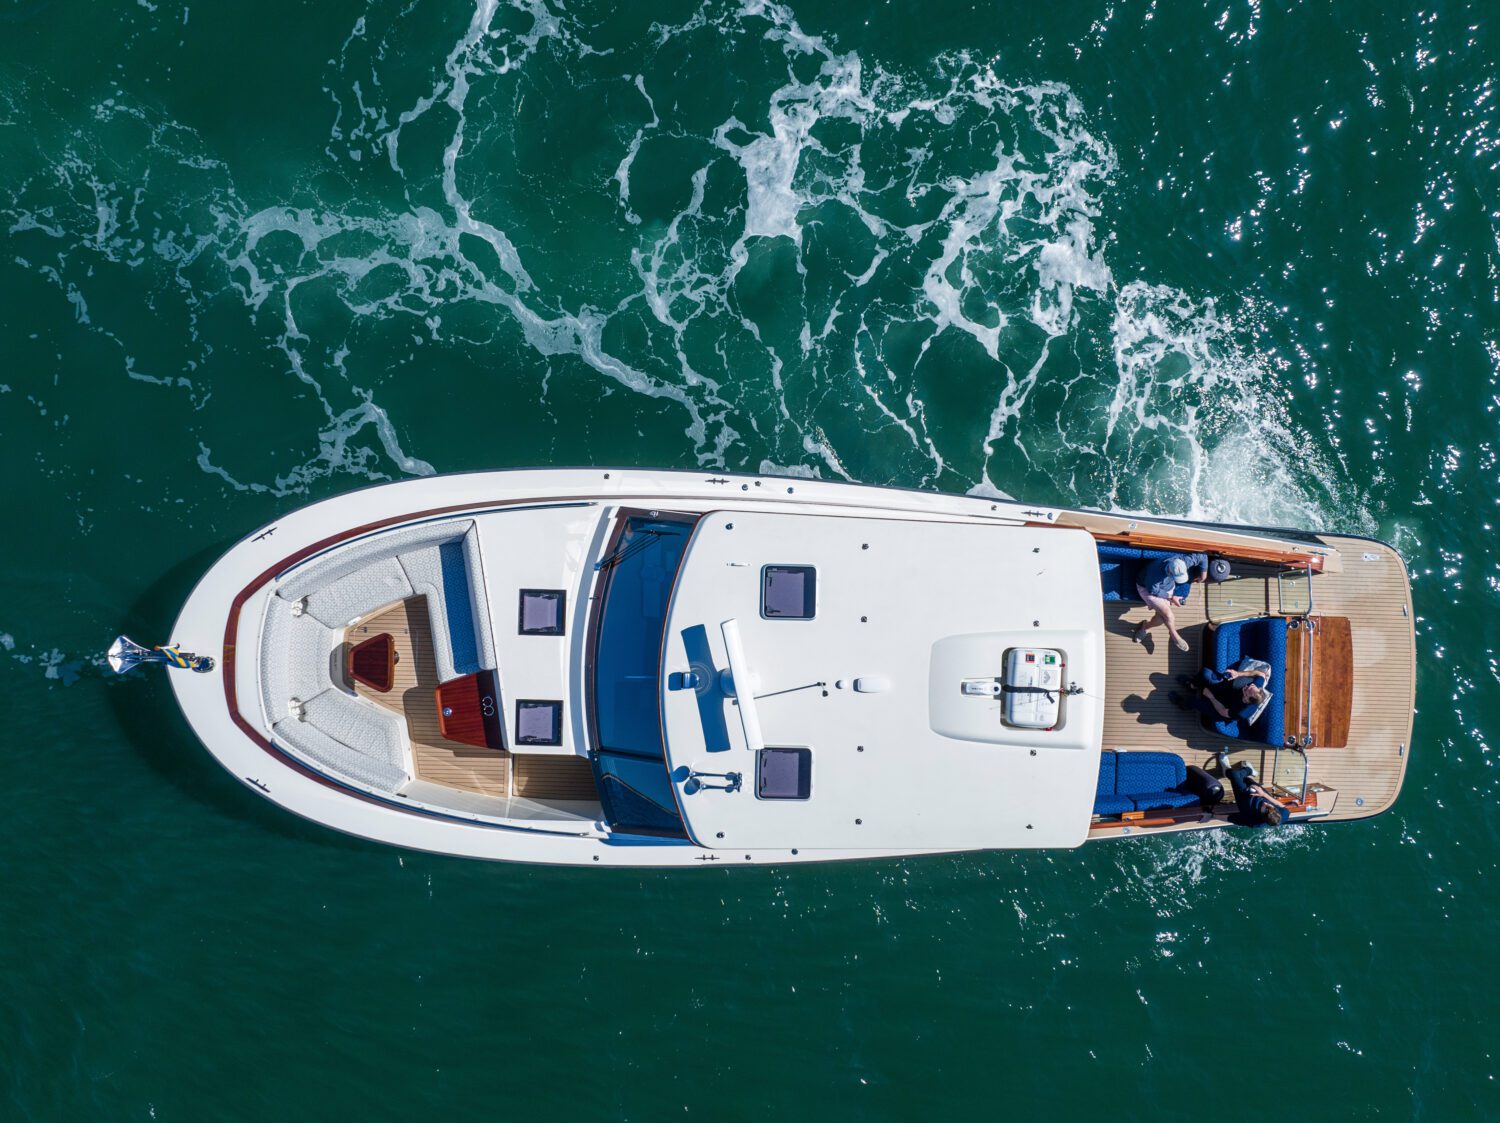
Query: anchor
pixel 125 654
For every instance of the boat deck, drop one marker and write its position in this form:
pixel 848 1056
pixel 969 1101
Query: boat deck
pixel 1370 591
pixel 436 759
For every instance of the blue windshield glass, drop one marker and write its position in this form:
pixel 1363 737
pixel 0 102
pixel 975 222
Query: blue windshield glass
pixel 641 570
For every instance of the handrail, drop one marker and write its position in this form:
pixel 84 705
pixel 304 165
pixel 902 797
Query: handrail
pixel 744 687
pixel 1276 772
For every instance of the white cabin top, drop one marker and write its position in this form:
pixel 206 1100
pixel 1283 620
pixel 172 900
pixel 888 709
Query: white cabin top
pixel 856 637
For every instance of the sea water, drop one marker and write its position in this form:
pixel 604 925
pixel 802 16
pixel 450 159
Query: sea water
pixel 1212 260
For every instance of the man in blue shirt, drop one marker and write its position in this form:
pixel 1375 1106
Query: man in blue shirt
pixel 1156 584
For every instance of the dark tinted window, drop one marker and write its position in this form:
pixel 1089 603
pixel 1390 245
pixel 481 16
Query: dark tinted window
pixel 783 773
pixel 542 612
pixel 788 592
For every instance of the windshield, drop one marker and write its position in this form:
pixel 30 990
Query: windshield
pixel 636 581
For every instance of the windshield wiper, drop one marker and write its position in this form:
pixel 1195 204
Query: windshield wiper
pixel 637 544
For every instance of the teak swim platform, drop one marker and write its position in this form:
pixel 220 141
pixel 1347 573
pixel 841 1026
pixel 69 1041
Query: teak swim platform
pixel 652 668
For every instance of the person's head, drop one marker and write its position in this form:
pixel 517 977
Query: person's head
pixel 1273 813
pixel 1178 569
pixel 1253 693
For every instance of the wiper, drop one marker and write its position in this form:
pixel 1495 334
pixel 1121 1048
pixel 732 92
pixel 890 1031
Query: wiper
pixel 638 543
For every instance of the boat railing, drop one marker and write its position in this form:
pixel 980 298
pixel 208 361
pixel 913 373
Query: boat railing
pixel 1288 771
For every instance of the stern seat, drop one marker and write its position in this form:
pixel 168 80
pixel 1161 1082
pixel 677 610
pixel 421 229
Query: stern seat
pixel 1118 566
pixel 1262 638
pixel 1150 781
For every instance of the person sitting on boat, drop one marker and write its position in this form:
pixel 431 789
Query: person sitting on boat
pixel 1238 694
pixel 1156 584
pixel 1254 806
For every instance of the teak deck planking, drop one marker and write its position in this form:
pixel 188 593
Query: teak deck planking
pixel 452 763
pixel 1370 590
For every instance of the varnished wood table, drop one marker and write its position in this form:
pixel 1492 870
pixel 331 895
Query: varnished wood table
pixel 1320 680
pixel 469 710
pixel 373 662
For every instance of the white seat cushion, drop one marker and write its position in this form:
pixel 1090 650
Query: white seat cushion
pixel 360 593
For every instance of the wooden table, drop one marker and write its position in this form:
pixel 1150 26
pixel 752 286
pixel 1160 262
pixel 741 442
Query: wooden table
pixel 373 662
pixel 1320 680
pixel 469 710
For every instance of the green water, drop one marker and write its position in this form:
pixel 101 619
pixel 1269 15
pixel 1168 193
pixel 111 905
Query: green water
pixel 1211 260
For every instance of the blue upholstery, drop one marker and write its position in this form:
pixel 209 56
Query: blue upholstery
pixel 1141 781
pixel 1263 638
pixel 1118 566
pixel 459 607
pixel 1153 800
pixel 1113 804
pixel 1107 773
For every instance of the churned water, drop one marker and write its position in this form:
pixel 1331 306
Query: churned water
pixel 1216 259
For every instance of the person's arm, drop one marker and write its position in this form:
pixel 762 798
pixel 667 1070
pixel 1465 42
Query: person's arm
pixel 1262 675
pixel 1218 705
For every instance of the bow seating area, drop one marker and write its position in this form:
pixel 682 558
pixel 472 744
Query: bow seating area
pixel 1262 638
pixel 1150 781
pixel 307 705
pixel 1118 566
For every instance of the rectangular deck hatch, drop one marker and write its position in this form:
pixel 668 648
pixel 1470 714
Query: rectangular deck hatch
pixel 783 774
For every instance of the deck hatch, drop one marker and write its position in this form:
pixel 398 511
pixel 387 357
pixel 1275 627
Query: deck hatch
pixel 788 592
pixel 542 612
pixel 538 722
pixel 783 774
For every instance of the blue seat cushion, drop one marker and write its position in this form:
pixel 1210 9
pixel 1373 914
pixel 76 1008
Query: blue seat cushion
pixel 1261 638
pixel 1141 781
pixel 1120 565
pixel 1113 804
pixel 1106 785
pixel 1150 801
pixel 1148 772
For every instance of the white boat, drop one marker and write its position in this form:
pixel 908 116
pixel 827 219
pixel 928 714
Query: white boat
pixel 652 668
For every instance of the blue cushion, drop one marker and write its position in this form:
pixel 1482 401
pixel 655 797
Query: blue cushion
pixel 1113 804
pixel 1119 566
pixel 1106 785
pixel 1149 801
pixel 1140 781
pixel 1262 638
pixel 1149 772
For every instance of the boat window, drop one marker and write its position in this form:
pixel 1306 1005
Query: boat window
pixel 635 588
pixel 538 722
pixel 542 612
pixel 788 592
pixel 783 773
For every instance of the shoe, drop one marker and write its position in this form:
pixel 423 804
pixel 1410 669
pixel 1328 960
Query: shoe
pixel 1139 634
pixel 1222 760
pixel 1182 644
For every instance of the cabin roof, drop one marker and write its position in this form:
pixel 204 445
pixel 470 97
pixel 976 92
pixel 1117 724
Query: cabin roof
pixel 906 609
